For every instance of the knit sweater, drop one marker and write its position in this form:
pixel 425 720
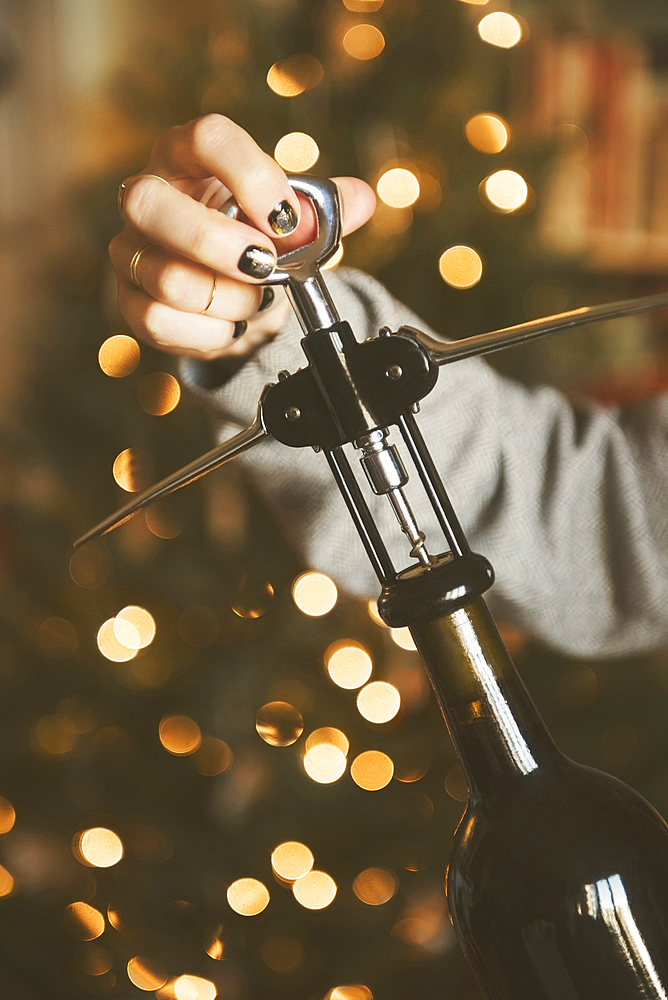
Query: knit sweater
pixel 570 504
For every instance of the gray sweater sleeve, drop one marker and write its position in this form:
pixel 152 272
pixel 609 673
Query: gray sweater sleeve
pixel 569 504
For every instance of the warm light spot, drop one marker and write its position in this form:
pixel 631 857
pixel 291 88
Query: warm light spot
pixel 279 723
pixel 363 6
pixel 253 596
pixel 378 702
pixel 363 41
pixel 179 734
pixel 199 626
pixel 7 815
pixel 213 757
pixel 166 992
pixel 500 29
pixel 314 594
pixel 6 882
pixel 350 993
pixel 327 734
pixel 248 896
pixel 325 763
pixel 141 627
pixel 53 734
pixel 109 645
pixel 334 260
pixel 390 222
pixel 372 608
pixel 479 3
pixel 411 762
pixel 294 75
pixel 146 974
pixel 375 886
pixel 100 847
pixel 89 567
pixel 506 189
pixel 349 664
pixel 57 638
pixel 214 944
pixel 460 267
pixel 456 785
pixel 487 133
pixel 372 770
pixel 282 953
pixel 84 921
pixel 398 188
pixel 158 393
pixel 161 522
pixel 119 356
pixel 403 638
pixel 194 988
pixel 296 152
pixel 131 470
pixel 315 891
pixel 291 860
pixel 95 960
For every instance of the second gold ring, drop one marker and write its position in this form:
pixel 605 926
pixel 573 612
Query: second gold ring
pixel 134 265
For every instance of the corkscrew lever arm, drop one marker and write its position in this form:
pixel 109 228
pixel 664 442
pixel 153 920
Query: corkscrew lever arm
pixel 484 343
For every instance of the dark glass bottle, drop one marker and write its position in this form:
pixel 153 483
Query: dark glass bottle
pixel 558 878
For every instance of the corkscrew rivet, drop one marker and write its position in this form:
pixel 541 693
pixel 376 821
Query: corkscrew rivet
pixel 293 413
pixel 394 372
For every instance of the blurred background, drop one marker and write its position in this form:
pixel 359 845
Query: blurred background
pixel 219 777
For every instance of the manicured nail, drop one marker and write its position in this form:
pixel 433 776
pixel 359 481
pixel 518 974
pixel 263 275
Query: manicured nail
pixel 283 220
pixel 267 299
pixel 258 262
pixel 240 328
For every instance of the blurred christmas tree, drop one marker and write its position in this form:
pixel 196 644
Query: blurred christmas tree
pixel 162 688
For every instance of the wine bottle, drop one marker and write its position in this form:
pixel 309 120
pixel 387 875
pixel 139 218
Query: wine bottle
pixel 558 878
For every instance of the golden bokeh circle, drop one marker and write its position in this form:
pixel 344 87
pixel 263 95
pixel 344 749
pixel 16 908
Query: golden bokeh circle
pixel 141 621
pixel 350 993
pixel 456 785
pixel 487 133
pixel 57 638
pixel 180 735
pixel 279 723
pixel 506 190
pixel 292 860
pixel 194 988
pixel 119 356
pixel 99 847
pixel 378 702
pixel 213 757
pixel 500 29
pixel 294 75
pixel 315 890
pixel 325 763
pixel 158 393
pixel 375 886
pixel 348 664
pixel 131 470
pixel 84 921
pixel 364 42
pixel 109 645
pixel 282 953
pixel 146 974
pixel 460 267
pixel 89 567
pixel 7 815
pixel 253 596
pixel 6 882
pixel 296 152
pixel 398 187
pixel 248 896
pixel 314 594
pixel 372 770
pixel 330 735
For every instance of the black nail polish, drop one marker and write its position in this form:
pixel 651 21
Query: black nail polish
pixel 267 299
pixel 283 220
pixel 258 262
pixel 240 328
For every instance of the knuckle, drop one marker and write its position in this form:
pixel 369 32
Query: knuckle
pixel 174 282
pixel 209 131
pixel 139 200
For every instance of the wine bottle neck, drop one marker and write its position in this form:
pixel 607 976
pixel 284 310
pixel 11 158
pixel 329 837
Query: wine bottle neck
pixel 494 724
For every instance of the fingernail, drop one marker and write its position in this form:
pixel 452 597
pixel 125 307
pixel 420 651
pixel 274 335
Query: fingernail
pixel 283 220
pixel 267 299
pixel 240 328
pixel 258 262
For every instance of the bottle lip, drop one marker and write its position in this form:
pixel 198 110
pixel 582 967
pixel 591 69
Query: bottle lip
pixel 423 594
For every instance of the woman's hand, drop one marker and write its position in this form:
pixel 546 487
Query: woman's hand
pixel 196 283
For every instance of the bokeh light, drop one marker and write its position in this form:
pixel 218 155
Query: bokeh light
pixel 7 815
pixel 131 470
pixel 456 785
pixel 291 860
pixel 296 152
pixel 194 988
pixel 398 187
pixel 213 757
pixel 119 356
pixel 506 189
pixel 348 663
pixel 378 702
pixel 487 133
pixel 315 890
pixel 281 953
pixel 314 594
pixel 325 763
pixel 372 608
pixel 350 993
pixel 460 266
pixel 375 886
pixel 402 637
pixel 57 638
pixel 501 29
pixel 179 734
pixel 161 521
pixel 146 974
pixel 372 770
pixel 99 847
pixel 279 723
pixel 248 896
pixel 364 41
pixel 158 393
pixel 84 921
pixel 95 960
pixel 6 882
pixel 294 75
pixel 253 596
pixel 89 567
pixel 109 645
pixel 134 627
pixel 363 6
pixel 327 734
pixel 215 944
pixel 411 761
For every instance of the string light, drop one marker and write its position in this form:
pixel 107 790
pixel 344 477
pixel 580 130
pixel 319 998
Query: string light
pixel 372 770
pixel 378 702
pixel 500 29
pixel 364 42
pixel 348 664
pixel 314 594
pixel 296 152
pixel 291 77
pixel 119 356
pixel 292 860
pixel 329 735
pixel 98 847
pixel 460 267
pixel 248 896
pixel 325 763
pixel 158 394
pixel 506 190
pixel 194 988
pixel 315 891
pixel 279 723
pixel 109 645
pixel 487 133
pixel 398 187
pixel 142 623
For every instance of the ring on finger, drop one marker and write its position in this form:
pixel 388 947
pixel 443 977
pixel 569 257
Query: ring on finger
pixel 122 188
pixel 212 296
pixel 134 265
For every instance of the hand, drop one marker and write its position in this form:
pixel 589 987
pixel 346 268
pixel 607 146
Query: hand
pixel 194 251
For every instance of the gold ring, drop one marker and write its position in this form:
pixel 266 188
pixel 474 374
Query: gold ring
pixel 134 264
pixel 213 294
pixel 122 188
